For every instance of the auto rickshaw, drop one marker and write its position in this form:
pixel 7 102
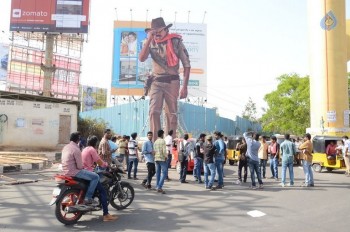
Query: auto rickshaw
pixel 320 159
pixel 232 153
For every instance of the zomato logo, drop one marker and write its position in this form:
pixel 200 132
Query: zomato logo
pixel 17 13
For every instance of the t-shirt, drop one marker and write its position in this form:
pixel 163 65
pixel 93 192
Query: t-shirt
pixel 89 155
pixel 169 143
pixel 132 147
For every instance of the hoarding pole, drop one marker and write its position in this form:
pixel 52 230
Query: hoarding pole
pixel 48 68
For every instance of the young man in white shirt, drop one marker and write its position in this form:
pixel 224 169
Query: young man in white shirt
pixel 169 149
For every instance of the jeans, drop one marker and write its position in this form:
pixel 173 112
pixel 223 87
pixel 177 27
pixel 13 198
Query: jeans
pixel 262 166
pixel 198 164
pixel 242 164
pixel 170 157
pixel 183 171
pixel 151 170
pixel 103 198
pixel 274 167
pixel 309 177
pixel 132 162
pixel 209 168
pixel 120 158
pixel 288 163
pixel 254 168
pixel 161 173
pixel 219 168
pixel 93 177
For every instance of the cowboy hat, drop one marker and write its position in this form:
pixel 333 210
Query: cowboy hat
pixel 158 23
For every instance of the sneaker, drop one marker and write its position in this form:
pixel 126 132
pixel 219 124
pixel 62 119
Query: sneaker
pixel 110 218
pixel 144 184
pixel 291 185
pixel 129 177
pixel 305 185
pixel 200 182
pixel 312 185
pixel 90 202
pixel 212 188
pixel 161 191
pixel 283 185
pixel 148 187
pixel 135 178
pixel 252 187
pixel 261 186
pixel 237 182
pixel 219 187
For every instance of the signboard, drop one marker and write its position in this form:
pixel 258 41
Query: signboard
pixel 129 73
pixel 4 57
pixel 93 98
pixel 61 16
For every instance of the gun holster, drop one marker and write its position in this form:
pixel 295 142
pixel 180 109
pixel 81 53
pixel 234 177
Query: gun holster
pixel 147 86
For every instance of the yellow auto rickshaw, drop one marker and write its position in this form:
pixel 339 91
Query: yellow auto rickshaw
pixel 232 153
pixel 320 159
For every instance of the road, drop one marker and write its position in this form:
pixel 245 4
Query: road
pixel 188 207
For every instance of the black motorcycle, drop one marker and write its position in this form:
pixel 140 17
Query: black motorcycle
pixel 70 192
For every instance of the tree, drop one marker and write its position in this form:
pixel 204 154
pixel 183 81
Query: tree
pixel 249 111
pixel 88 126
pixel 288 106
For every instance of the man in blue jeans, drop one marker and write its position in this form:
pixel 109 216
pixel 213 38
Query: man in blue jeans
pixel 288 151
pixel 72 165
pixel 219 158
pixel 253 158
pixel 198 158
pixel 274 150
pixel 209 166
pixel 160 158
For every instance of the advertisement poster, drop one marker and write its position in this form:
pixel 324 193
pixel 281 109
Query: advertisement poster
pixel 61 16
pixel 93 98
pixel 129 73
pixel 4 56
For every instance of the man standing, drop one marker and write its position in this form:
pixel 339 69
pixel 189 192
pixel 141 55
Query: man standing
pixel 169 149
pixel 198 158
pixel 104 149
pixel 122 146
pixel 209 166
pixel 288 151
pixel 160 158
pixel 274 150
pixel 72 165
pixel 242 163
pixel 166 51
pixel 253 159
pixel 306 149
pixel 133 156
pixel 263 150
pixel 148 153
pixel 219 158
pixel 185 149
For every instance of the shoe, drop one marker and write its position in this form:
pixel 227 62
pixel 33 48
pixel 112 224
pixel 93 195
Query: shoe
pixel 219 187
pixel 168 179
pixel 129 177
pixel 184 182
pixel 161 191
pixel 110 218
pixel 261 186
pixel 245 181
pixel 212 188
pixel 283 185
pixel 196 180
pixel 148 187
pixel 200 182
pixel 215 180
pixel 238 182
pixel 312 185
pixel 276 179
pixel 305 185
pixel 144 184
pixel 90 202
pixel 252 187
pixel 135 178
pixel 291 185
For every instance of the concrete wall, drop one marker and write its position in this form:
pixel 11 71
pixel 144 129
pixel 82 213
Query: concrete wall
pixel 34 125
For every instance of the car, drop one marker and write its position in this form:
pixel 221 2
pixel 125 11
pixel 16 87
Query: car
pixel 4 61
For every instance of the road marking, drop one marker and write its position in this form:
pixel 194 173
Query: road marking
pixel 256 213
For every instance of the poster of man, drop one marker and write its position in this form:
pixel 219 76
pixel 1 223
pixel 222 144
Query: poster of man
pixel 93 98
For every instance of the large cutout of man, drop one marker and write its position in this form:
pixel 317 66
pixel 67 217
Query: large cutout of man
pixel 166 51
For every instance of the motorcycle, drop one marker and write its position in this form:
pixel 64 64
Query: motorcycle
pixel 68 196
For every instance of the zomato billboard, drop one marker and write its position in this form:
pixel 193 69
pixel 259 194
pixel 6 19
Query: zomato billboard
pixel 71 16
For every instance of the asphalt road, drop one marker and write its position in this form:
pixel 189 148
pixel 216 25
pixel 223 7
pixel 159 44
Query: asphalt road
pixel 188 207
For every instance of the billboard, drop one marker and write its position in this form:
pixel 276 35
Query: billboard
pixel 129 73
pixel 93 98
pixel 25 73
pixel 61 16
pixel 4 56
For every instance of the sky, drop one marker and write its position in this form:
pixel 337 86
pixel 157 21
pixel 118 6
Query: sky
pixel 249 43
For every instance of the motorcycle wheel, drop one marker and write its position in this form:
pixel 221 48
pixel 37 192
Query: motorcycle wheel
pixel 69 198
pixel 121 200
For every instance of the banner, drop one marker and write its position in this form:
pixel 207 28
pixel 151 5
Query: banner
pixel 93 98
pixel 61 16
pixel 129 73
pixel 4 57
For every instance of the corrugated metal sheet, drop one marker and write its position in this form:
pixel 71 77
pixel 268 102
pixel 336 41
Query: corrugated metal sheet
pixel 133 117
